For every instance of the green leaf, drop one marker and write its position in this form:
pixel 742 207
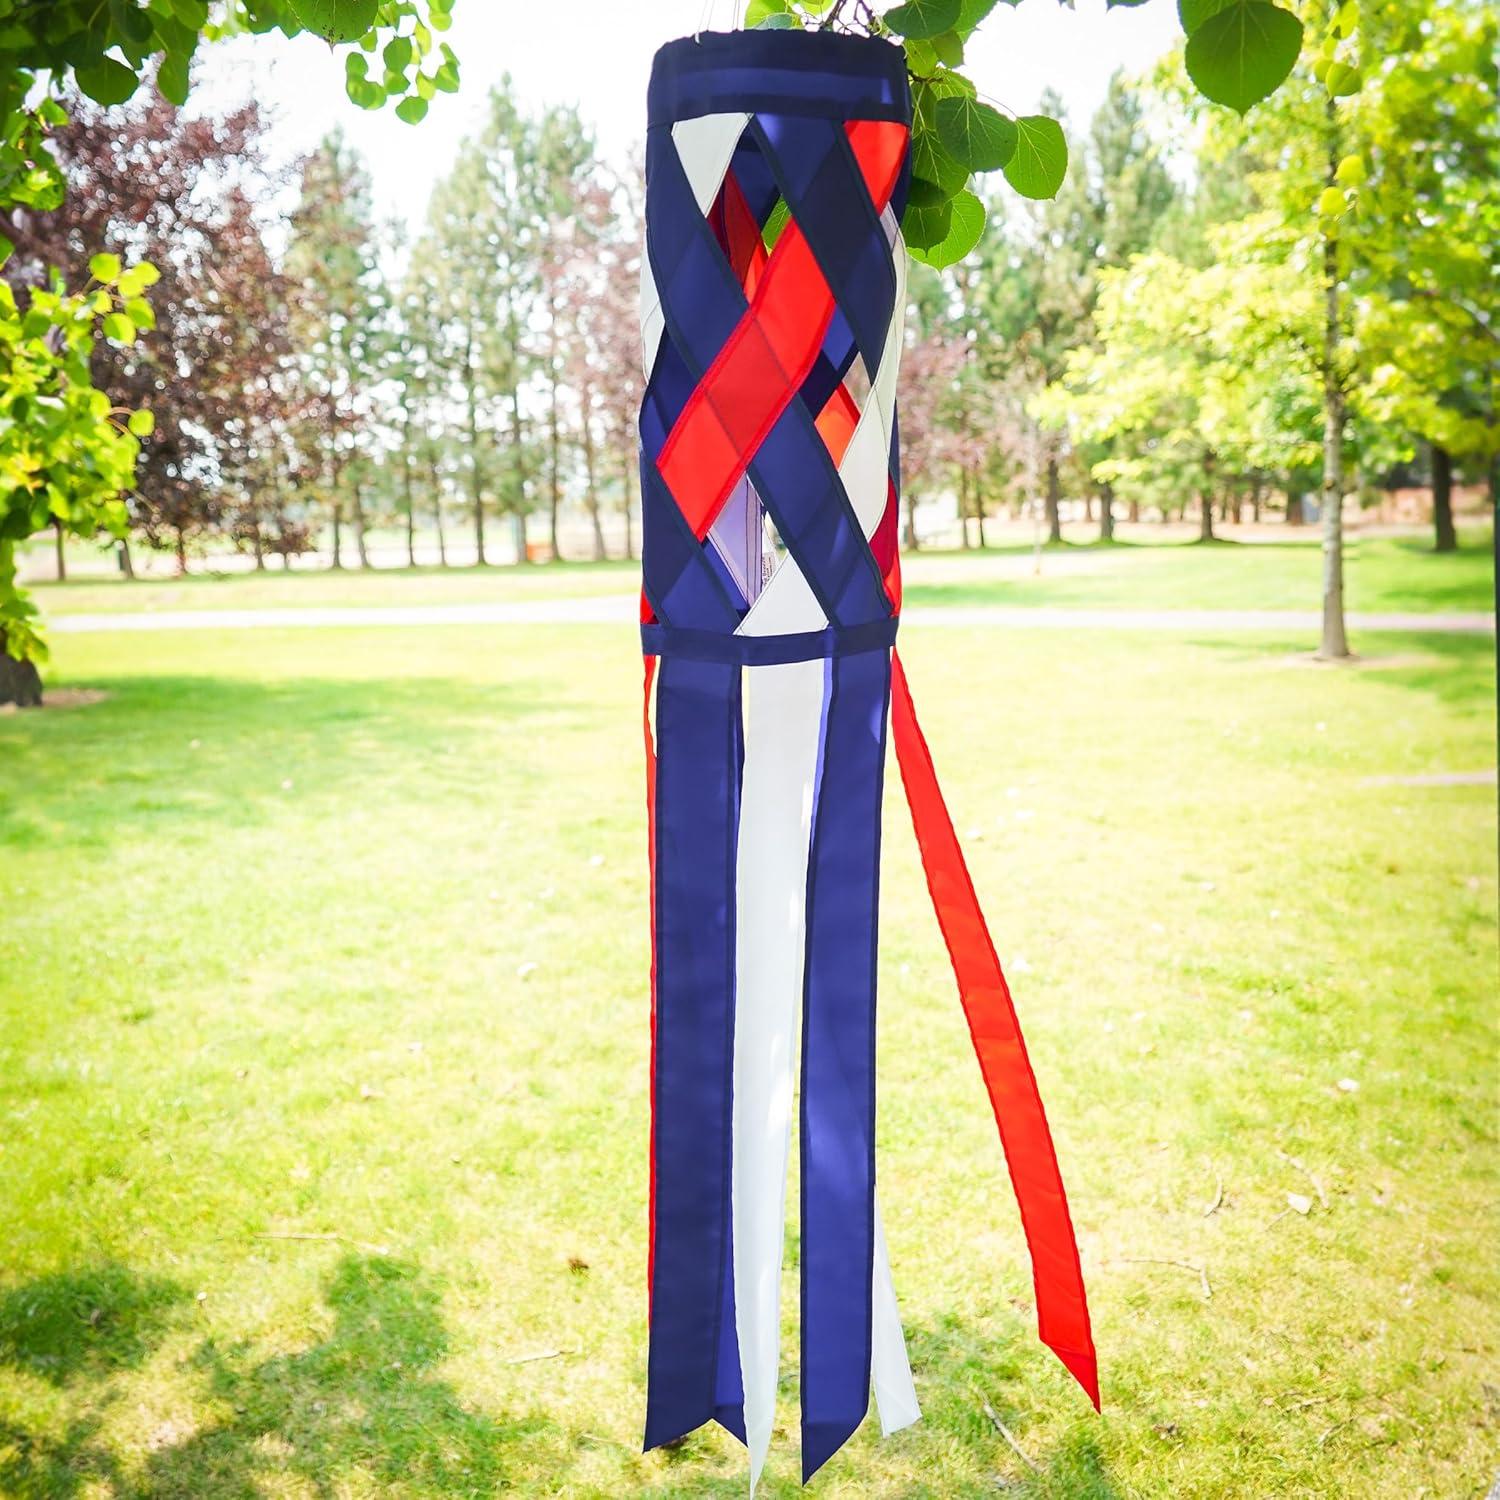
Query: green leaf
pixel 1343 79
pixel 413 109
pixel 921 57
pixel 397 54
pixel 780 23
pixel 924 194
pixel 965 226
pixel 365 95
pixel 932 160
pixel 1193 13
pixel 172 78
pixel 356 65
pixel 760 11
pixel 133 24
pixel 338 20
pixel 141 423
pixel 1241 54
pixel 107 81
pixel 976 135
pixel 949 48
pixel 923 18
pixel 119 328
pixel 1331 203
pixel 1351 171
pixel 924 227
pixel 139 311
pixel 192 13
pixel 972 12
pixel 104 266
pixel 138 278
pixel 7 246
pixel 777 220
pixel 1040 161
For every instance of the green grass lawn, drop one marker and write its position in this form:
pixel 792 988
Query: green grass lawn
pixel 1384 573
pixel 323 1071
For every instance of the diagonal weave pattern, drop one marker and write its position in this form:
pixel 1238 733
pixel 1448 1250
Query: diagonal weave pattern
pixel 772 295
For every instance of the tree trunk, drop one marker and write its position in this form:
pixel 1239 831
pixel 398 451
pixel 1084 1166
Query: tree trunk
pixel 554 476
pixel 476 473
pixel 1442 499
pixel 259 545
pixel 979 510
pixel 963 507
pixel 127 563
pixel 518 500
pixel 181 550
pixel 1335 644
pixel 62 555
pixel 1054 499
pixel 359 524
pixel 593 493
pixel 629 500
pixel 909 540
pixel 410 498
pixel 1134 511
pixel 20 682
pixel 1205 517
pixel 1106 513
pixel 338 523
pixel 1255 502
pixel 1088 506
pixel 437 511
pixel 1295 515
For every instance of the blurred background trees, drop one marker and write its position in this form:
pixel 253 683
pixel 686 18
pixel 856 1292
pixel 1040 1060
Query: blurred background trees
pixel 1218 317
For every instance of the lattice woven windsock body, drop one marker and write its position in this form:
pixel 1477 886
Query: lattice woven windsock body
pixel 771 591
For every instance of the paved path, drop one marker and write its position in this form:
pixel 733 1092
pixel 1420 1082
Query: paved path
pixel 621 609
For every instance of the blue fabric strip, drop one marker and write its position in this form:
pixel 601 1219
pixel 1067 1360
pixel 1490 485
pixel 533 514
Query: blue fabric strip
pixel 825 192
pixel 792 471
pixel 694 1358
pixel 767 650
pixel 813 73
pixel 679 579
pixel 838 1057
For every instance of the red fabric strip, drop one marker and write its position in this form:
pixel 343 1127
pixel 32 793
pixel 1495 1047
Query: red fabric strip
pixel 651 856
pixel 768 355
pixel 1061 1303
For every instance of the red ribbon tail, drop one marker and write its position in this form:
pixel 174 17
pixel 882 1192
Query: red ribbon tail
pixel 1061 1303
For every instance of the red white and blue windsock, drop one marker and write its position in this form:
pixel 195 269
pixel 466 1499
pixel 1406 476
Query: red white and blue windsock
pixel 772 293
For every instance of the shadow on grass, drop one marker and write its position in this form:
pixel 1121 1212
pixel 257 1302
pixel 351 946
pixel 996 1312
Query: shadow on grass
pixel 1452 668
pixel 196 753
pixel 364 1407
pixel 85 1322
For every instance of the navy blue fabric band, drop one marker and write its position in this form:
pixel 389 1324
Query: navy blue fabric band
pixel 838 1058
pixel 785 72
pixel 767 650
pixel 694 1360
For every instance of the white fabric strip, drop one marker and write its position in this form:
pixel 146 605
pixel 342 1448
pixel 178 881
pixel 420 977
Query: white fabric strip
pixel 783 715
pixel 895 1394
pixel 704 147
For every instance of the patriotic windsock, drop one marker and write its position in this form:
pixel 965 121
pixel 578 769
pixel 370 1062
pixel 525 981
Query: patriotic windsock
pixel 773 287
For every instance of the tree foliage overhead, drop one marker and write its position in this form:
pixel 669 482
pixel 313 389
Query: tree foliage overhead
pixel 1238 52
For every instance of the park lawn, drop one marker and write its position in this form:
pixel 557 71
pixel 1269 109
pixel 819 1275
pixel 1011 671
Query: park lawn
pixel 1385 573
pixel 323 1071
pixel 1382 573
pixel 306 586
